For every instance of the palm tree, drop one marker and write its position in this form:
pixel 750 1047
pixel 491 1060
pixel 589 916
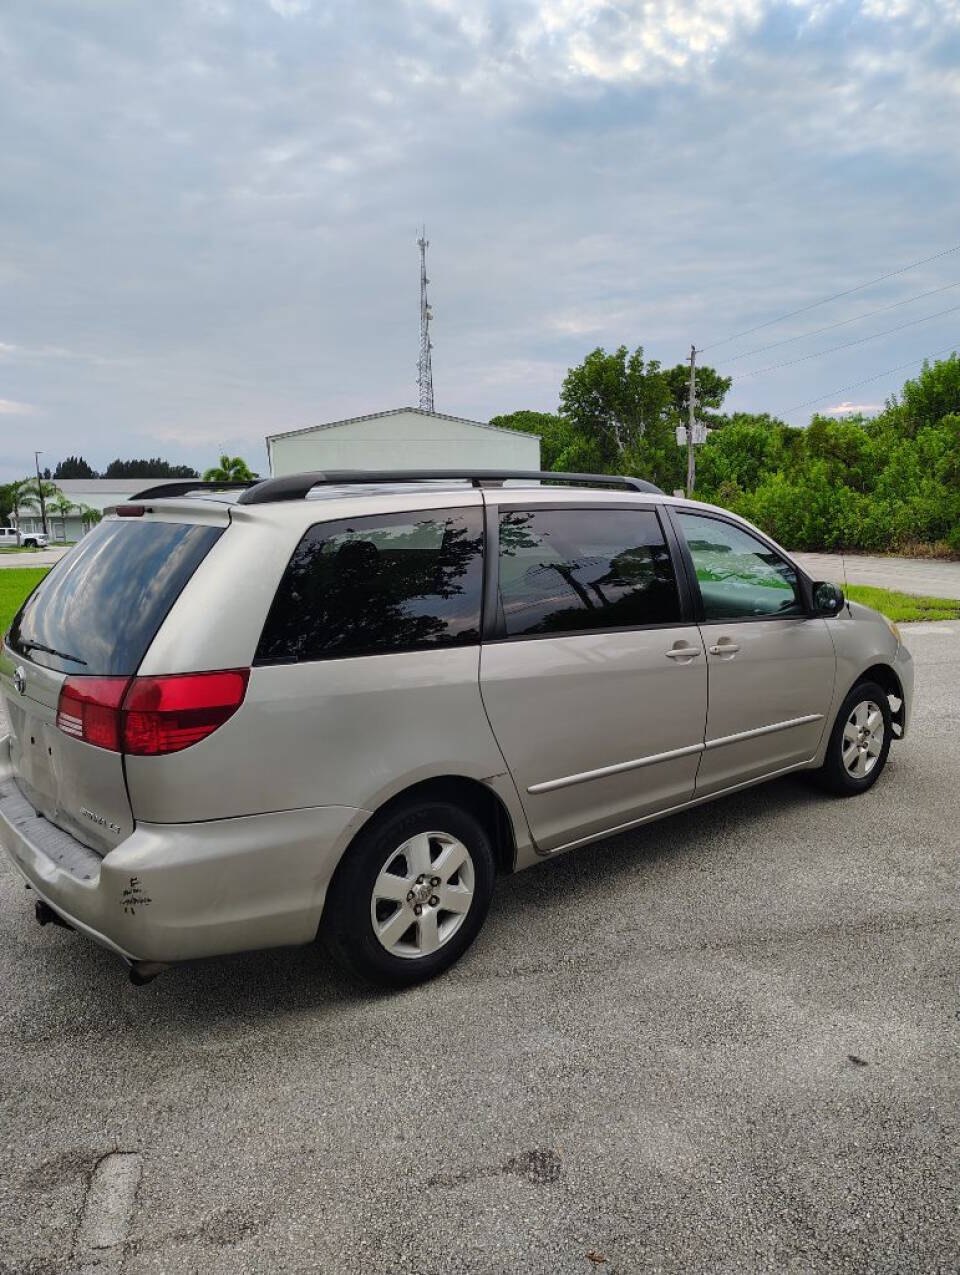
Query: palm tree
pixel 18 492
pixel 89 517
pixel 62 506
pixel 33 489
pixel 232 469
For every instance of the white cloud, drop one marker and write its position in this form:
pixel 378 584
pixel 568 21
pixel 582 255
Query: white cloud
pixel 637 40
pixel 10 407
pixel 847 409
pixel 290 8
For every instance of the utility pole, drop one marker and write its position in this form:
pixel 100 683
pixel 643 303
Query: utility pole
pixel 43 507
pixel 691 422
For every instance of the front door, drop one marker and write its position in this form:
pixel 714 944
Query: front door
pixel 595 684
pixel 771 666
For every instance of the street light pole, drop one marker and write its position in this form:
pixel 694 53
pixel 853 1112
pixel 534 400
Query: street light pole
pixel 43 507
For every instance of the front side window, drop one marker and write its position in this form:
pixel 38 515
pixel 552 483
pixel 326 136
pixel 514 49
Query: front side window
pixel 577 569
pixel 739 575
pixel 379 584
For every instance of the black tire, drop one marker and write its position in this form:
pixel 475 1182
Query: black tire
pixel 347 926
pixel 835 775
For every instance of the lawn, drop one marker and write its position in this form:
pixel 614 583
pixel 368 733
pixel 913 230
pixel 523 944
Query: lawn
pixel 15 584
pixel 903 606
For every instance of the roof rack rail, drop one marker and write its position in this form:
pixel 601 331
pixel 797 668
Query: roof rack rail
pixel 186 485
pixel 296 486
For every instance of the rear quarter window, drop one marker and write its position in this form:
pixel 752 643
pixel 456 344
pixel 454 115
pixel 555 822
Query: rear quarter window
pixel 379 584
pixel 99 609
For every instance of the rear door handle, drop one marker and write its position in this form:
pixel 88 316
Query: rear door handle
pixel 682 652
pixel 724 648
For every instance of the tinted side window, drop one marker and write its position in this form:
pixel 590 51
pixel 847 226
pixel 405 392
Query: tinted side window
pixel 100 607
pixel 738 574
pixel 389 582
pixel 567 569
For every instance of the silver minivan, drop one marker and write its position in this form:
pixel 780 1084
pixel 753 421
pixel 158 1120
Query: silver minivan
pixel 339 704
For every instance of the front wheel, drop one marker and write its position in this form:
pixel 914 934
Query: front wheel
pixel 410 895
pixel 859 742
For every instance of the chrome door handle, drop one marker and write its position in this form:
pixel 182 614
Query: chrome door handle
pixel 682 652
pixel 724 648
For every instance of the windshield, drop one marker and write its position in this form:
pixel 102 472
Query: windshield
pixel 99 609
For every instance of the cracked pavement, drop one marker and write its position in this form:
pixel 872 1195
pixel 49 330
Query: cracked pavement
pixel 727 1041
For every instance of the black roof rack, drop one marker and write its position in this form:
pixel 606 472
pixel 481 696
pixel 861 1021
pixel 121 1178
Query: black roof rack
pixel 186 485
pixel 296 486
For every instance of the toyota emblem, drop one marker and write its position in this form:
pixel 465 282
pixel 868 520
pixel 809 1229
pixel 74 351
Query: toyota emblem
pixel 20 679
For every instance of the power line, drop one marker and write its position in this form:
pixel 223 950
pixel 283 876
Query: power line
pixel 835 297
pixel 867 314
pixel 867 379
pixel 847 344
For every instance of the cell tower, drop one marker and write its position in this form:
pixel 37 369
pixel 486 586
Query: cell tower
pixel 425 365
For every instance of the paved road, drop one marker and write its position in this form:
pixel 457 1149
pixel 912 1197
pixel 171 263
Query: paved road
pixel 909 575
pixel 32 558
pixel 726 1042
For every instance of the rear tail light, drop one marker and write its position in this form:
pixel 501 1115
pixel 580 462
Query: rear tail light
pixel 166 714
pixel 89 709
pixel 149 716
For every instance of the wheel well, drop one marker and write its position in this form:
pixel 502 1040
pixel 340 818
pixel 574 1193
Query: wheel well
pixel 884 676
pixel 482 802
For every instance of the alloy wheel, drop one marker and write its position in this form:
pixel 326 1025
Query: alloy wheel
pixel 422 894
pixel 863 736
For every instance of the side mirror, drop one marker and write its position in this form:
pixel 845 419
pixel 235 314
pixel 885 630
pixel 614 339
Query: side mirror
pixel 827 598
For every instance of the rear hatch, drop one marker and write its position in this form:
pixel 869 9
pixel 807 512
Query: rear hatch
pixel 91 620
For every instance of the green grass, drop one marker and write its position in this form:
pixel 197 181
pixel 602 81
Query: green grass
pixel 15 584
pixel 903 606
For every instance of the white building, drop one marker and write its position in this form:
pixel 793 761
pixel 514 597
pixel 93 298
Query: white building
pixel 405 438
pixel 95 493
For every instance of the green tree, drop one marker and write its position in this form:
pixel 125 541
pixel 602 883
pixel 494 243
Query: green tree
pixel 73 467
pixel 618 405
pixel 89 517
pixel 62 507
pixel 711 389
pixel 17 496
pixel 926 400
pixel 34 490
pixel 153 468
pixel 556 434
pixel 232 469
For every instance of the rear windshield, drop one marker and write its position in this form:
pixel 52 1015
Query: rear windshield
pixel 99 609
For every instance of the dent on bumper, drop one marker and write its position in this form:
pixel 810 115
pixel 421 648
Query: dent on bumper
pixel 174 891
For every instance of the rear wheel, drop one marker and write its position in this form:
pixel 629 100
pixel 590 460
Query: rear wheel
pixel 859 742
pixel 410 895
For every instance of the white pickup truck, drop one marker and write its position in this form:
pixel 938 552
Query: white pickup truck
pixel 11 538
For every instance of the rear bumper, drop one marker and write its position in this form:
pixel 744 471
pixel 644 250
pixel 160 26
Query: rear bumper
pixel 170 892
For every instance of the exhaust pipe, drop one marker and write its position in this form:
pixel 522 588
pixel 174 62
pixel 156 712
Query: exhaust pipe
pixel 47 916
pixel 144 972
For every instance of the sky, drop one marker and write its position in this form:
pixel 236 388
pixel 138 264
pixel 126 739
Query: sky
pixel 209 208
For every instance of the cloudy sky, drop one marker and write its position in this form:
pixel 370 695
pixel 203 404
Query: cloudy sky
pixel 208 208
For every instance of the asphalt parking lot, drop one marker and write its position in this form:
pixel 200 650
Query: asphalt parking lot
pixel 725 1042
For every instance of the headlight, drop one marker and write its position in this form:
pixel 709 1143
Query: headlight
pixel 893 628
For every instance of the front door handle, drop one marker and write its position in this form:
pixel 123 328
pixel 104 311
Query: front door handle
pixel 724 648
pixel 682 652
